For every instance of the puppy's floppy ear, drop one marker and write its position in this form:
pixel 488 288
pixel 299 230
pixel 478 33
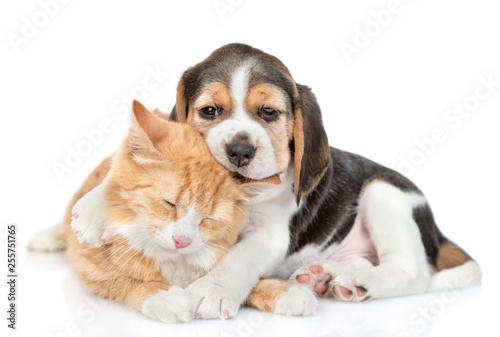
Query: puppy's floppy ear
pixel 180 110
pixel 312 152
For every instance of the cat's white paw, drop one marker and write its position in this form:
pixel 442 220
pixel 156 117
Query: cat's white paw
pixel 297 301
pixel 212 300
pixel 89 219
pixel 170 306
pixel 48 240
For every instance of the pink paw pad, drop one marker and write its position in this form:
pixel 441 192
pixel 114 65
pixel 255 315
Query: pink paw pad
pixel 342 292
pixel 322 286
pixel 361 291
pixel 304 279
pixel 315 269
pixel 345 292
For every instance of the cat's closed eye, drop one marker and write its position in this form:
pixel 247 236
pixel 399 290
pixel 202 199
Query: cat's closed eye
pixel 169 203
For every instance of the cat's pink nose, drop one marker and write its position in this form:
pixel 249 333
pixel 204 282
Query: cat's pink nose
pixel 181 241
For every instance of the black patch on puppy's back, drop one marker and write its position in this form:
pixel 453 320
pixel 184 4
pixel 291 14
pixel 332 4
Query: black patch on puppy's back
pixel 328 212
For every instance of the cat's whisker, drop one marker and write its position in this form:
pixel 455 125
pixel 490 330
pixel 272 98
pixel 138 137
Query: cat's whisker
pixel 137 264
pixel 69 238
pixel 218 247
pixel 123 265
pixel 206 264
pixel 116 260
pixel 81 250
pixel 131 247
pixel 143 256
pixel 104 251
pixel 212 253
pixel 103 262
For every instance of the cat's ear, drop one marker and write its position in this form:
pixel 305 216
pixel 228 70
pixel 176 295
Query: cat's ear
pixel 146 129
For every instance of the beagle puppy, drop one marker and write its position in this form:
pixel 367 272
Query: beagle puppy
pixel 338 223
pixel 321 221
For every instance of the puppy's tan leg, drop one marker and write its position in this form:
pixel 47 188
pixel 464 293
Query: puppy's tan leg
pixel 266 293
pixel 282 298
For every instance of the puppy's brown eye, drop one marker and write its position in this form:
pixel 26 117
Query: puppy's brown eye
pixel 268 114
pixel 210 112
pixel 169 203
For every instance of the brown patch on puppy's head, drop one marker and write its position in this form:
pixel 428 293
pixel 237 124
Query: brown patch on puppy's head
pixel 215 95
pixel 267 97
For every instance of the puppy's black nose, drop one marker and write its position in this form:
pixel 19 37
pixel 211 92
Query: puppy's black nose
pixel 240 154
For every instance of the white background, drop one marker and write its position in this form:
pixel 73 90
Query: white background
pixel 71 74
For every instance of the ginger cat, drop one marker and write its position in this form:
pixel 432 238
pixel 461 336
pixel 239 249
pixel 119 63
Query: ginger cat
pixel 173 212
pixel 155 218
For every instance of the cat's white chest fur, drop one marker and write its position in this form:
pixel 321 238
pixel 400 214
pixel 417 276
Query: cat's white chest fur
pixel 181 272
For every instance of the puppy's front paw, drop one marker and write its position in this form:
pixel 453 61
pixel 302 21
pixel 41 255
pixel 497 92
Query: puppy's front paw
pixel 170 306
pixel 314 277
pixel 89 220
pixel 212 300
pixel 355 286
pixel 297 301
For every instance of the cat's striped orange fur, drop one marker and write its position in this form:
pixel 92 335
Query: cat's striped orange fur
pixel 180 168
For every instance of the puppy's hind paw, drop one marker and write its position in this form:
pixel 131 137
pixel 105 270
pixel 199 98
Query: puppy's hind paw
pixel 354 286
